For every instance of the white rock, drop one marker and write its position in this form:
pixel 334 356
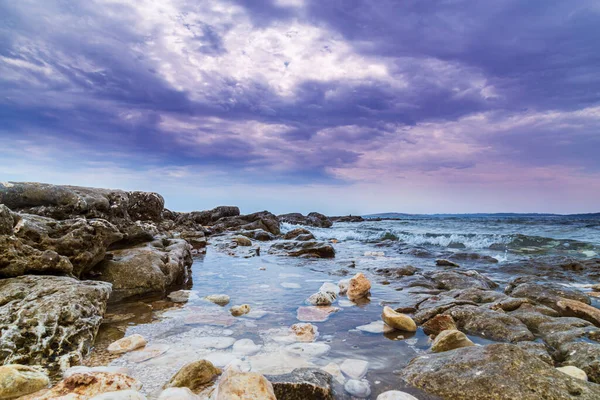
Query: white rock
pixel 212 342
pixel 178 394
pixel 395 395
pixel 321 299
pixel 304 332
pixel 330 287
pixel 127 344
pixel 356 388
pixel 181 296
pixel 235 385
pixel 574 372
pixel 120 395
pixel 308 350
pixel 246 347
pixel 355 369
pixel 343 286
pixel 220 299
pixel 375 327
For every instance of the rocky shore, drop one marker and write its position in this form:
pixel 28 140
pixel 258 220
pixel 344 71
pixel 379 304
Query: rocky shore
pixel 67 253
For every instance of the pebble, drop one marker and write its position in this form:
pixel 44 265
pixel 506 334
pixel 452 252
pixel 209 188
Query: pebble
pixel 127 344
pixel 219 299
pixel 395 395
pixel 376 327
pixel 354 369
pixel 308 350
pixel 358 388
pixel 237 311
pixel 315 313
pixel 321 299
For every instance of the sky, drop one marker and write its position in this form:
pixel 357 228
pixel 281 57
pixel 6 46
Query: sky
pixel 338 106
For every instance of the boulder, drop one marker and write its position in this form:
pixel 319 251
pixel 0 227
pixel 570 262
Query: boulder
pixel 448 280
pixel 437 305
pixel 303 384
pixel 299 234
pixel 438 324
pixel 127 344
pixel 450 339
pixel 69 312
pixel 242 241
pixel 309 248
pixel 545 293
pixel 583 355
pixel 322 299
pixel 312 219
pixel 19 380
pixel 195 219
pixel 397 320
pixel 195 375
pixel 87 385
pixel 144 269
pixel 261 220
pixel 358 287
pixel 258 234
pixel 396 272
pixel 496 371
pixel 446 263
pixel 7 221
pixel 235 385
pixel 574 308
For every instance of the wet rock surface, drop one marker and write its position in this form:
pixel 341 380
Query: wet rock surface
pixel 312 219
pixel 303 384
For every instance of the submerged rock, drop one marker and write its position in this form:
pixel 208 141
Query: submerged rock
pixel 354 369
pixel 450 339
pixel 358 388
pixel 238 311
pixel 305 332
pixel 315 313
pixel 195 375
pixel 303 384
pixel 19 380
pixel 322 299
pixel 69 310
pixel 127 344
pixel 148 268
pixel 496 371
pixel 397 320
pixel 358 287
pixel 219 299
pixel 235 385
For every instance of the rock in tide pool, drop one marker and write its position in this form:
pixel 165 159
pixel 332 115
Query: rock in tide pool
pixel 446 263
pixel 195 375
pixel 120 395
pixel 19 380
pixel 358 388
pixel 330 287
pixel 395 395
pixel 574 372
pixel 127 344
pixel 315 313
pixel 178 394
pixel 180 296
pixel 321 299
pixel 305 332
pixel 87 385
pixel 343 286
pixel 354 369
pixel 308 350
pixel 497 371
pixel 219 299
pixel 376 327
pixel 237 311
pixel 303 384
pixel 235 385
pixel 397 320
pixel 450 339
pixel 358 287
pixel 437 324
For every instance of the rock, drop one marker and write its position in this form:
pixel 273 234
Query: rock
pixel 180 296
pixel 398 321
pixel 344 284
pixel 436 305
pixel 347 218
pixel 41 245
pixel 219 299
pixel 583 355
pixel 354 369
pixel 242 241
pixel 303 384
pixel 496 371
pixel 315 313
pixel 120 395
pixel 537 350
pixel 358 287
pixel 547 294
pixel 313 219
pixel 359 389
pixel 321 299
pixel 395 395
pixel 237 311
pixel 70 312
pixel 307 350
pixel 300 234
pixel 19 380
pixel 473 257
pixel 305 332
pixel 147 268
pixel 574 372
pixel 235 385
pixel 258 234
pixel 376 327
pixel 449 280
pixel 7 221
pixel 396 272
pixel 195 375
pixel 490 324
pixel 574 308
pixel 87 385
pixel 330 287
pixel 178 394
pixel 374 254
pixel 309 248
pixel 438 324
pixel 196 239
pixel 127 344
pixel 260 220
pixel 446 263
pixel 450 339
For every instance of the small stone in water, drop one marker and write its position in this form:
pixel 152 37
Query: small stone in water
pixel 395 395
pixel 321 299
pixel 343 286
pixel 397 320
pixel 305 332
pixel 356 388
pixel 194 375
pixel 180 296
pixel 219 299
pixel 375 327
pixel 355 369
pixel 127 344
pixel 237 311
pixel 329 287
pixel 308 350
pixel 315 313
pixel 450 339
pixel 359 287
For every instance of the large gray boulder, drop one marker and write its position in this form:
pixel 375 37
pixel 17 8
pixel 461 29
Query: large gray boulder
pixel 312 219
pixel 49 320
pixel 144 269
pixel 494 372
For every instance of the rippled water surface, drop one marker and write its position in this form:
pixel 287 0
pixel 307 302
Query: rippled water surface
pixel 275 287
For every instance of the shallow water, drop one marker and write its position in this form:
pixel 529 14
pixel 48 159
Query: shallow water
pixel 275 287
